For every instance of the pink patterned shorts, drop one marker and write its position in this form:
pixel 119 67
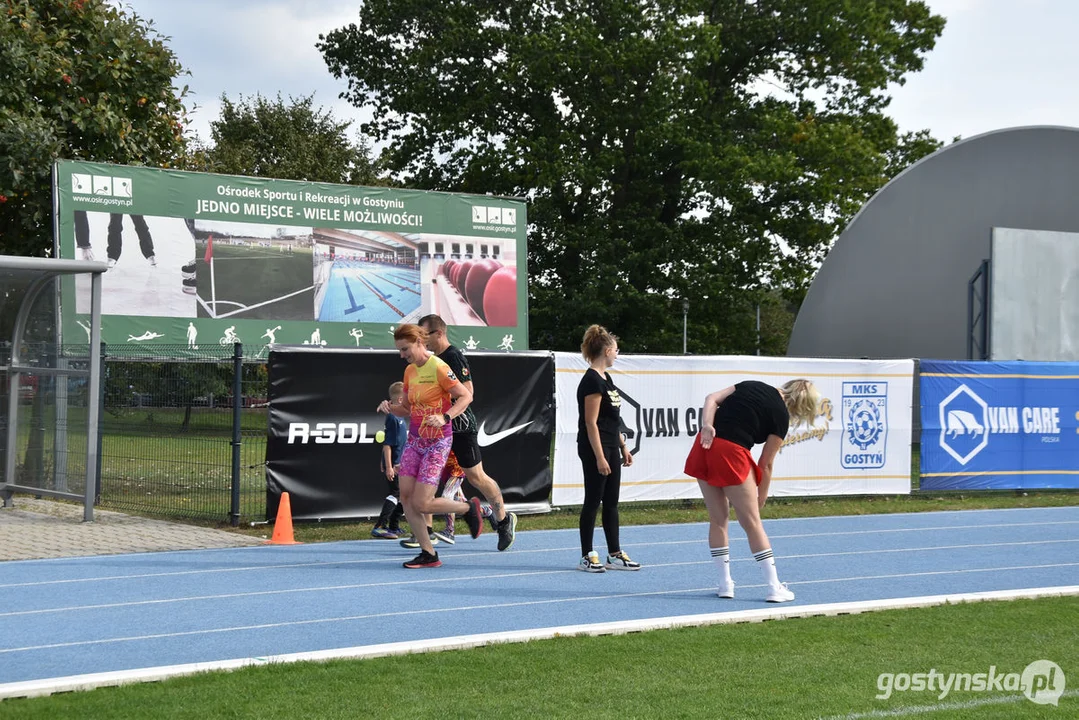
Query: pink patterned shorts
pixel 424 458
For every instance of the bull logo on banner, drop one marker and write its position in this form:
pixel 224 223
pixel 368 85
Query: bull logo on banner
pixel 963 424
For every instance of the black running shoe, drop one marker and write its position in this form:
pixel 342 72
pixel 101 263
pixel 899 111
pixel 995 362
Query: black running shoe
pixel 424 560
pixel 474 518
pixel 507 531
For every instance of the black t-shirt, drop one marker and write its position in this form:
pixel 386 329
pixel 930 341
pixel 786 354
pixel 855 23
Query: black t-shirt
pixel 750 414
pixel 609 420
pixel 452 356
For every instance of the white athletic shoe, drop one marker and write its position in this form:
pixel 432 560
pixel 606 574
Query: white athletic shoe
pixel 112 263
pixel 725 591
pixel 86 253
pixel 153 260
pixel 621 561
pixel 447 536
pixel 779 594
pixel 590 563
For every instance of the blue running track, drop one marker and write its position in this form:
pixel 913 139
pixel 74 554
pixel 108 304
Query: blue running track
pixel 73 616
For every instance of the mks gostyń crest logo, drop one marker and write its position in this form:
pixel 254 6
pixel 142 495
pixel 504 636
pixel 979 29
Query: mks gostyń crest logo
pixel 865 424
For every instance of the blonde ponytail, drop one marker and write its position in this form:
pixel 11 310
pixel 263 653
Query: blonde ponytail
pixel 802 400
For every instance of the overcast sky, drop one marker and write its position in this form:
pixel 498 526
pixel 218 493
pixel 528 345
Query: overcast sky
pixel 999 63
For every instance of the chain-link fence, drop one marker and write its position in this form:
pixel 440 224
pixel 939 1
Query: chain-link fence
pixel 183 438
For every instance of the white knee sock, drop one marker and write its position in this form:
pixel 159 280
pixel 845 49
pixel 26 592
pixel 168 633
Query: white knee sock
pixel 721 556
pixel 767 565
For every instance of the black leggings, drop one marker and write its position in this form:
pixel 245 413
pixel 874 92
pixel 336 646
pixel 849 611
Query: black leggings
pixel 116 227
pixel 600 488
pixel 82 234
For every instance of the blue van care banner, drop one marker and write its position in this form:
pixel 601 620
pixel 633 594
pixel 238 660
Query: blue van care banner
pixel 999 426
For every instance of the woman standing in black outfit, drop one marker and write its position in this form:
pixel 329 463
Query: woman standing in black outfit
pixel 602 450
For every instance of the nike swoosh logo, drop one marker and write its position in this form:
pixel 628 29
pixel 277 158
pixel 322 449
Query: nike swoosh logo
pixel 484 439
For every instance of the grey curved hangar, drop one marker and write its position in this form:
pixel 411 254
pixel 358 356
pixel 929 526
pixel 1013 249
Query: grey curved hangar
pixel 896 282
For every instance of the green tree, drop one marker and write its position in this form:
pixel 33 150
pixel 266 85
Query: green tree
pixel 134 388
pixel 295 141
pixel 79 79
pixel 669 148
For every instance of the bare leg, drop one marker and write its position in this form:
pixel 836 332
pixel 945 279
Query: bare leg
pixel 487 487
pixel 409 491
pixel 427 504
pixel 744 499
pixel 719 512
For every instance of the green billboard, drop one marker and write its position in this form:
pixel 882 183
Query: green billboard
pixel 197 259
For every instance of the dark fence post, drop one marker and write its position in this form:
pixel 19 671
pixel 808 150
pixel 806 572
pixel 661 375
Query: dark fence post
pixel 100 422
pixel 237 418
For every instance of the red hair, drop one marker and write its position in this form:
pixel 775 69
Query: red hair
pixel 412 333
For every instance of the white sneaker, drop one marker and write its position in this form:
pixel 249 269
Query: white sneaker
pixel 725 591
pixel 447 536
pixel 112 263
pixel 590 563
pixel 86 253
pixel 153 260
pixel 621 561
pixel 779 594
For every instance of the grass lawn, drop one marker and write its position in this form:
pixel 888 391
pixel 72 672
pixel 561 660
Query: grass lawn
pixel 152 463
pixel 251 275
pixel 805 668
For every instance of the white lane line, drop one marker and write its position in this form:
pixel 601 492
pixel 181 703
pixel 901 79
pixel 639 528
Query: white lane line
pixel 31 688
pixel 493 576
pixel 942 707
pixel 881 531
pixel 497 606
pixel 815 518
pixel 466 579
pixel 516 551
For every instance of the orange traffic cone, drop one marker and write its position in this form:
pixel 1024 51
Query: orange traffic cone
pixel 282 528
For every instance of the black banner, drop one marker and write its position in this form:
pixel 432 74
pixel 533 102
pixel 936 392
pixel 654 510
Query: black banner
pixel 321 447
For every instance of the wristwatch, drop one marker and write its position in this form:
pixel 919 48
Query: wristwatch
pixel 446 417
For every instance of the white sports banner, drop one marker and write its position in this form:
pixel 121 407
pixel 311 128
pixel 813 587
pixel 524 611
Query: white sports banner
pixel 860 443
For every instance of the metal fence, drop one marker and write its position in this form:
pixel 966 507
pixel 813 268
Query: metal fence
pixel 51 423
pixel 183 438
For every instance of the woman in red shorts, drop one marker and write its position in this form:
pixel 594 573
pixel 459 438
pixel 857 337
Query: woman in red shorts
pixel 433 396
pixel 735 419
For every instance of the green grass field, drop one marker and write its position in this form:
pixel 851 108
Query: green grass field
pixel 804 668
pixel 253 275
pixel 152 464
